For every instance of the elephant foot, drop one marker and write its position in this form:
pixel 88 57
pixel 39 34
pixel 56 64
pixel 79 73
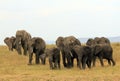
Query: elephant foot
pixel 25 54
pixel 69 67
pixel 29 64
pixel 65 65
pixel 51 68
pixel 37 63
pixel 114 64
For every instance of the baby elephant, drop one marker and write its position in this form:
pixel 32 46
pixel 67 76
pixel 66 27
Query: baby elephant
pixel 54 57
pixel 43 58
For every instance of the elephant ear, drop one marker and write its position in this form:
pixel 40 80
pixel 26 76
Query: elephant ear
pixel 39 43
pixel 59 42
pixel 97 49
pixel 6 40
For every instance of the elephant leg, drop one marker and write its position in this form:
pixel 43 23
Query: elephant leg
pixel 101 61
pixel 69 64
pixel 50 63
pixel 84 61
pixel 94 60
pixel 37 61
pixel 59 64
pixel 12 49
pixel 25 49
pixel 89 63
pixel 55 64
pixel 30 58
pixel 109 62
pixel 19 50
pixel 72 60
pixel 42 61
pixel 64 60
pixel 113 62
pixel 79 62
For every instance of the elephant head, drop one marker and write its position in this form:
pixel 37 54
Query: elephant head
pixel 97 49
pixel 70 42
pixel 59 43
pixel 10 42
pixel 90 42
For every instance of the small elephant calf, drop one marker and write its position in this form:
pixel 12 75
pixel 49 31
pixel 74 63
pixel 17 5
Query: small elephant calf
pixel 84 54
pixel 43 58
pixel 54 58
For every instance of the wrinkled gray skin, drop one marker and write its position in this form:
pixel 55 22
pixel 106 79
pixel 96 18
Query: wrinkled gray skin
pixel 84 54
pixel 102 40
pixel 90 42
pixel 10 42
pixel 43 58
pixel 97 40
pixel 104 44
pixel 36 45
pixel 103 51
pixel 54 57
pixel 65 44
pixel 22 38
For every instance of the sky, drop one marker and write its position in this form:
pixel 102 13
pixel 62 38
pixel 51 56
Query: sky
pixel 50 19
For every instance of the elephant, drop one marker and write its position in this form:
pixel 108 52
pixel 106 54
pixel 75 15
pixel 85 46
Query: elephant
pixel 54 57
pixel 9 41
pixel 65 44
pixel 43 58
pixel 84 54
pixel 22 38
pixel 37 46
pixel 101 45
pixel 103 51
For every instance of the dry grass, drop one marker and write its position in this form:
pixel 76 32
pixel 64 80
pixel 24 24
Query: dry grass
pixel 13 67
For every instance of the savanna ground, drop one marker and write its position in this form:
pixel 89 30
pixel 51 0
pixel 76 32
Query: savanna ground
pixel 13 67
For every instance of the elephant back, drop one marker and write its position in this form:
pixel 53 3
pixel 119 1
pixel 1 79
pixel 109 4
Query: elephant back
pixel 102 40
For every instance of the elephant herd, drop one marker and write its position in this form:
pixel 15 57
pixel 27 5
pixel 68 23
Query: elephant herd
pixel 69 48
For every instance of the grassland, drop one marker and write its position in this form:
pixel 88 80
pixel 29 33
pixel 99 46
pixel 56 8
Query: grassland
pixel 13 67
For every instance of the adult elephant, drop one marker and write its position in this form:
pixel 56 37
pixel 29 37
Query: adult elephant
pixel 65 44
pixel 84 54
pixel 36 45
pixel 10 42
pixel 22 38
pixel 103 51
